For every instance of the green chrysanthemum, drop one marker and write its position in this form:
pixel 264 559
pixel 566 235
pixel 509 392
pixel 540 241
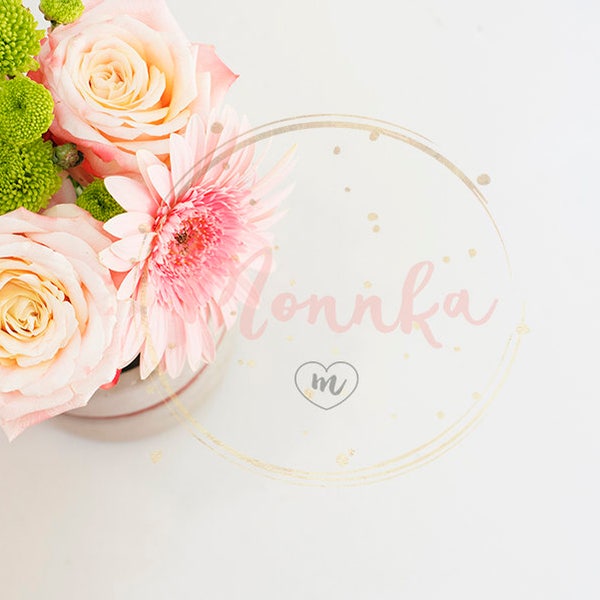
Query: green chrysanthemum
pixel 61 11
pixel 25 110
pixel 19 38
pixel 28 176
pixel 97 200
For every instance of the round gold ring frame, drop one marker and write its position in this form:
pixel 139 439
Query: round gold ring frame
pixel 449 437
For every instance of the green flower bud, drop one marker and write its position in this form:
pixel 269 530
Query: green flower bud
pixel 97 200
pixel 19 38
pixel 61 11
pixel 67 156
pixel 25 110
pixel 28 176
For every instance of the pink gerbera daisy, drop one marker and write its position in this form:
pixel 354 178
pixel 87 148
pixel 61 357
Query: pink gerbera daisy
pixel 181 241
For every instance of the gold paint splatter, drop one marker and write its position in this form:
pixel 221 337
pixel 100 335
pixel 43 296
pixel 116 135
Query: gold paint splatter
pixel 344 458
pixel 440 414
pixel 416 326
pixel 346 189
pixel 484 179
pixel 523 329
pixel 156 456
pixel 240 362
pixel 376 228
pixel 308 393
pixel 372 216
pixel 144 228
pixel 292 282
pixel 335 351
pixel 472 252
pixel 374 136
pixel 217 127
pixel 251 363
pixel 276 247
pixel 446 259
pixel 225 166
pixel 233 313
pixel 406 356
pixel 252 202
pixel 394 416
pixel 290 338
pixel 367 284
pixel 476 396
pixel 305 432
pixel 456 348
pixel 337 150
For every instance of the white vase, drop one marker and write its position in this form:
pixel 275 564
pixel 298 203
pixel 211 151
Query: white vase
pixel 136 408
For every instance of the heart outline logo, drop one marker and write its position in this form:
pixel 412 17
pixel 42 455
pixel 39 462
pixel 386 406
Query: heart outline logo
pixel 321 391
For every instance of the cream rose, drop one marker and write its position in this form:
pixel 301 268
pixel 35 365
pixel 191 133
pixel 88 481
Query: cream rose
pixel 59 329
pixel 124 77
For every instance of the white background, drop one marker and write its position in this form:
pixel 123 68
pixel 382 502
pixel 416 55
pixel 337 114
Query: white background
pixel 505 88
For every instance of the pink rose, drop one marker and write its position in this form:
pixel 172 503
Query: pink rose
pixel 124 77
pixel 59 336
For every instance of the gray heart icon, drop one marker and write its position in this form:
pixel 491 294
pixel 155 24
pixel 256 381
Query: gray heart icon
pixel 326 387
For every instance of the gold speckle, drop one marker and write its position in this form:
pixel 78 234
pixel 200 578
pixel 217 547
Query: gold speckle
pixel 367 284
pixel 290 338
pixel 292 282
pixel 372 216
pixel 217 127
pixel 440 414
pixel 344 458
pixel 476 396
pixel 252 202
pixel 406 356
pixel 233 313
pixel 251 363
pixel 335 351
pixel 456 348
pixel 156 456
pixel 446 259
pixel 472 252
pixel 484 179
pixel 240 362
pixel 522 329
pixel 144 228
pixel 376 228
pixel 171 345
pixel 225 166
pixel 308 393
pixel 346 189
pixel 305 432
pixel 374 136
pixel 275 247
pixel 337 150
pixel 416 326
pixel 394 416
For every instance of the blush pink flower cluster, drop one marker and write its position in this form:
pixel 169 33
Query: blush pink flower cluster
pixel 79 298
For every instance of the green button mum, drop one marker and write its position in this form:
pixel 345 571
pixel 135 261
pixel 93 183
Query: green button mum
pixel 19 38
pixel 28 176
pixel 61 11
pixel 96 199
pixel 25 110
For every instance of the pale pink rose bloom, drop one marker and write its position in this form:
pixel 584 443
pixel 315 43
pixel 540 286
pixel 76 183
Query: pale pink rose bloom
pixel 59 329
pixel 124 77
pixel 182 240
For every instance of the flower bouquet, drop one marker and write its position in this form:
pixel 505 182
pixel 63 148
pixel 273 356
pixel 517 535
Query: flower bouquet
pixel 119 240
